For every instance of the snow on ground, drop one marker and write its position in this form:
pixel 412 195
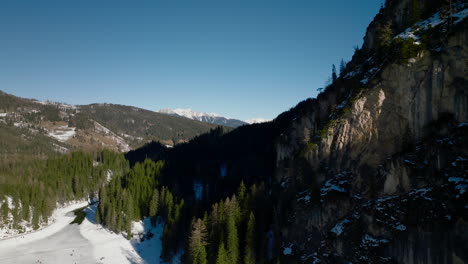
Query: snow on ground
pixel 123 146
pixel 287 250
pixel 370 241
pixel 304 197
pixel 58 220
pixel 339 228
pixel 62 133
pixel 198 189
pixel 432 22
pixel 62 242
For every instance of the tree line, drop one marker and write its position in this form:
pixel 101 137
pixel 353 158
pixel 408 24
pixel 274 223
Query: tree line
pixel 230 233
pixel 36 185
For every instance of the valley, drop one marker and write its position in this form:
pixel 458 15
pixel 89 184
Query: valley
pixel 372 170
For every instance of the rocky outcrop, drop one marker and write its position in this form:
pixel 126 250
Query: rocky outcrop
pixel 383 155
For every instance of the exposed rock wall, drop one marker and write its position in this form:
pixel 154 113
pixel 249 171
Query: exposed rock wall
pixel 369 173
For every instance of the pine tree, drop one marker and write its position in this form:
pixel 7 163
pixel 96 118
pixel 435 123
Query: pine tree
pixel 232 239
pixel 36 217
pixel 222 257
pixel 249 257
pixel 242 199
pixel 153 206
pixel 386 35
pixel 342 67
pixel 334 76
pixel 197 242
pixel 4 211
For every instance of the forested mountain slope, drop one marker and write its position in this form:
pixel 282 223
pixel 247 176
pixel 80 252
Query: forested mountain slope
pixel 134 123
pixel 91 127
pixel 52 152
pixel 373 170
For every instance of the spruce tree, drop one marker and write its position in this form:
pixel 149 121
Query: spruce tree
pixel 342 67
pixel 242 200
pixel 249 257
pixel 153 206
pixel 197 242
pixel 334 76
pixel 4 211
pixel 222 257
pixel 386 35
pixel 232 239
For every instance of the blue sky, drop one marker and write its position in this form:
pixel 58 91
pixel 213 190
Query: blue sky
pixel 242 59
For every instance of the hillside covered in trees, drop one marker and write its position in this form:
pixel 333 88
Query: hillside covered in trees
pixel 368 172
pixel 373 170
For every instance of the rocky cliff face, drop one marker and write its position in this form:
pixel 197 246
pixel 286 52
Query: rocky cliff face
pixel 383 154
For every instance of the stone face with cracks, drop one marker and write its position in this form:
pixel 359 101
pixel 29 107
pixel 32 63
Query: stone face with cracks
pixel 393 111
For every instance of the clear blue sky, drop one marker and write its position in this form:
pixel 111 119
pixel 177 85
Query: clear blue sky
pixel 238 58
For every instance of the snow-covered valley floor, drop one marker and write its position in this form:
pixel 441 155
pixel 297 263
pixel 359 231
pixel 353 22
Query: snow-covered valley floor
pixel 62 242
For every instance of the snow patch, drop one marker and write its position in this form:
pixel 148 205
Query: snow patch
pixel 257 120
pixel 198 189
pixel 109 174
pixel 62 133
pixel 188 113
pixel 400 227
pixel 329 186
pixel 287 250
pixel 339 228
pixel 223 170
pixel 370 241
pixel 434 21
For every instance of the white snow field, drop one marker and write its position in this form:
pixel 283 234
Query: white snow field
pixel 62 242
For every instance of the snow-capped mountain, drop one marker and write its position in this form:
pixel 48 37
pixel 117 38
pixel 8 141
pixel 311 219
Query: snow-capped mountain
pixel 204 117
pixel 257 120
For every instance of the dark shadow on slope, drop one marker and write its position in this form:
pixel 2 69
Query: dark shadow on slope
pixel 90 212
pixel 147 242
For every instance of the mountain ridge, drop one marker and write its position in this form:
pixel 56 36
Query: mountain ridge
pixel 373 170
pixel 96 126
pixel 211 118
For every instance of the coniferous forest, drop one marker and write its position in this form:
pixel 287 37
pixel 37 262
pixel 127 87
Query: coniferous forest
pixel 372 170
pixel 37 185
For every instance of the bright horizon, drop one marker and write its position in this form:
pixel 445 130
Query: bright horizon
pixel 243 60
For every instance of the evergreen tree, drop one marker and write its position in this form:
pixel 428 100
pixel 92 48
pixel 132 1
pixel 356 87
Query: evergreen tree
pixel 342 67
pixel 222 257
pixel 386 35
pixel 334 76
pixel 154 204
pixel 241 193
pixel 36 217
pixel 249 257
pixel 15 211
pixel 4 211
pixel 232 239
pixel 197 242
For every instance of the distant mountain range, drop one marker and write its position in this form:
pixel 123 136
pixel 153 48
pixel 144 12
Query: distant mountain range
pixel 204 117
pixel 32 126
